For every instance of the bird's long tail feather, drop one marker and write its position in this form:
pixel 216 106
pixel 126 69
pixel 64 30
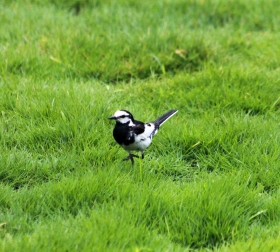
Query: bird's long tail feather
pixel 161 120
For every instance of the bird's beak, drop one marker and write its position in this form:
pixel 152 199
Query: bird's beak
pixel 112 118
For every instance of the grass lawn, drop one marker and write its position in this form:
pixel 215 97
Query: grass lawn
pixel 209 181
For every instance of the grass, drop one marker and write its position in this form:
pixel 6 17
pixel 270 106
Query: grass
pixel 210 180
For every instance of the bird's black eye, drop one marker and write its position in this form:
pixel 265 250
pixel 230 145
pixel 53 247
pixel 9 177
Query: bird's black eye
pixel 123 116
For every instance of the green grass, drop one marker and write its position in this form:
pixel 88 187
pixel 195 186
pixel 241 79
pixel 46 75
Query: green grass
pixel 210 180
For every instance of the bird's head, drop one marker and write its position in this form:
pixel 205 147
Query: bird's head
pixel 122 116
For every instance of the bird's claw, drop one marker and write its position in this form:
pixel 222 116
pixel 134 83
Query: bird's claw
pixel 131 156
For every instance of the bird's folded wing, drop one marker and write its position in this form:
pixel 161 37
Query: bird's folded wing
pixel 138 127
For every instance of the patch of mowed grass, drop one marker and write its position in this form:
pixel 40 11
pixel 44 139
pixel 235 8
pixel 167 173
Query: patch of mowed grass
pixel 265 239
pixel 118 41
pixel 210 179
pixel 106 212
pixel 43 129
pixel 199 214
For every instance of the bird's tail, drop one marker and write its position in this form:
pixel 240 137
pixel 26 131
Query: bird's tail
pixel 158 122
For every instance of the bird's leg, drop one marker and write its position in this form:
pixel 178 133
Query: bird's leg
pixel 143 154
pixel 130 156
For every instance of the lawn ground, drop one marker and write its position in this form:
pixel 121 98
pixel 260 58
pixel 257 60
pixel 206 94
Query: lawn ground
pixel 209 181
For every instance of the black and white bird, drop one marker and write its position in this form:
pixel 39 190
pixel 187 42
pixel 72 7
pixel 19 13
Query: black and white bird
pixel 134 135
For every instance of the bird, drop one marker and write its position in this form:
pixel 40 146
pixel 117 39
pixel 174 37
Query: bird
pixel 134 135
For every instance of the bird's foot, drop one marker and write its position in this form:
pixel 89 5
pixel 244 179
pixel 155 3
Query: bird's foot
pixel 131 156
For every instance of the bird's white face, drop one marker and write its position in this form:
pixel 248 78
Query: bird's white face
pixel 122 117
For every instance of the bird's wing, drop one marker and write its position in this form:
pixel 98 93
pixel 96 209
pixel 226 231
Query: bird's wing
pixel 138 127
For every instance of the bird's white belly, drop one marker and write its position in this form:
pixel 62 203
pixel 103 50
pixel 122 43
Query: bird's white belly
pixel 140 144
